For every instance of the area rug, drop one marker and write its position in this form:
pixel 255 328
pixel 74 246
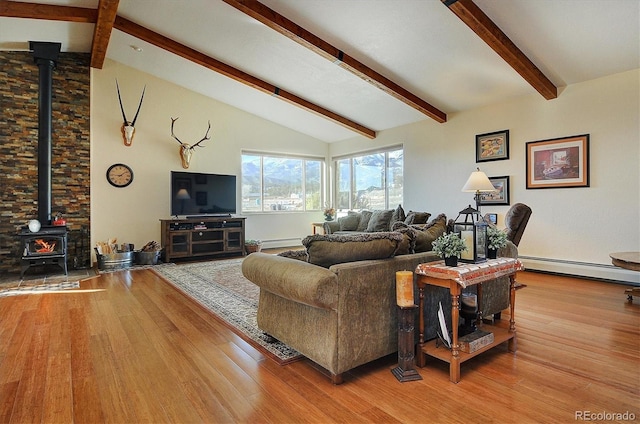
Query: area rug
pixel 42 288
pixel 220 287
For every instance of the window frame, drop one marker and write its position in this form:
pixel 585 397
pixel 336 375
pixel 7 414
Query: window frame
pixel 352 183
pixel 304 158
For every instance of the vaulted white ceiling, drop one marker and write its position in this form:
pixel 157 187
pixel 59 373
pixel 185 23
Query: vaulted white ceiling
pixel 420 45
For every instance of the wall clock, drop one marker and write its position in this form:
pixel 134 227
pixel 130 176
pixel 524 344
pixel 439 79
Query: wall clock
pixel 119 175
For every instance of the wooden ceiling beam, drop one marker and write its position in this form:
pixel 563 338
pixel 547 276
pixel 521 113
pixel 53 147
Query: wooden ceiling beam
pixel 201 59
pixel 107 10
pixel 305 38
pixel 491 34
pixel 16 9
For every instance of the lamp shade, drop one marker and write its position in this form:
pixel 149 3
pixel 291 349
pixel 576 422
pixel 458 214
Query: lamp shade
pixel 183 194
pixel 478 181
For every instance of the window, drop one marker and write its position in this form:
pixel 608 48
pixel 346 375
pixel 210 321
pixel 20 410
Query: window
pixel 371 180
pixel 281 183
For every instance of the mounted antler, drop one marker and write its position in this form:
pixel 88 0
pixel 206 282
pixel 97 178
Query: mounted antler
pixel 128 127
pixel 186 150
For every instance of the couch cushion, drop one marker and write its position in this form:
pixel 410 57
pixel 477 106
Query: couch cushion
pixel 408 243
pixel 349 222
pixel 434 229
pixel 417 218
pixel 365 216
pixel 300 254
pixel 326 250
pixel 397 215
pixel 380 221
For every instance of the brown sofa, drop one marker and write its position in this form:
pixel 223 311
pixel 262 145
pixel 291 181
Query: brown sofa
pixel 339 317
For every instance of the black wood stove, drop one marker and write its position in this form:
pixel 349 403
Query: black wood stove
pixel 45 247
pixel 48 245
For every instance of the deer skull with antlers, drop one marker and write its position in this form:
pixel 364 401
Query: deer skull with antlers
pixel 186 150
pixel 128 127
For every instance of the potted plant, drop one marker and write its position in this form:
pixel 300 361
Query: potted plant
pixel 251 246
pixel 329 212
pixel 449 246
pixel 495 240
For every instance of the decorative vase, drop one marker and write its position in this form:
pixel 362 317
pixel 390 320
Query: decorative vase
pixel 492 253
pixel 328 218
pixel 451 261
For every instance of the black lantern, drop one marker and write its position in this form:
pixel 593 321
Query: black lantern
pixel 473 231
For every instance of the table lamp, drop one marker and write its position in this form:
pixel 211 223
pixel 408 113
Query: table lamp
pixel 477 183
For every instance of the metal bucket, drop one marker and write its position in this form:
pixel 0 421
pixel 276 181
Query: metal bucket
pixel 147 258
pixel 115 260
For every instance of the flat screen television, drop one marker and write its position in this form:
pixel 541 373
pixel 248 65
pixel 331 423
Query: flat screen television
pixel 197 194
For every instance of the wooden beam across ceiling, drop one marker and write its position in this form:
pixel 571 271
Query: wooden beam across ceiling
pixel 201 59
pixel 305 38
pixel 107 10
pixel 16 9
pixel 491 34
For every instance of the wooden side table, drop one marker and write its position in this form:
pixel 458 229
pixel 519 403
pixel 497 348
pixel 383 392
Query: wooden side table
pixel 455 279
pixel 627 260
pixel 317 225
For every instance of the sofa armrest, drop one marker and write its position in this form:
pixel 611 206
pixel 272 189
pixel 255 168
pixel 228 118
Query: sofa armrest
pixel 331 227
pixel 292 279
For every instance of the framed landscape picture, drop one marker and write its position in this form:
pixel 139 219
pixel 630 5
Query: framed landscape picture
pixel 492 146
pixel 558 163
pixel 498 197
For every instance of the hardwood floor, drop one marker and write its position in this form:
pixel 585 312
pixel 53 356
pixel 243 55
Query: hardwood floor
pixel 129 348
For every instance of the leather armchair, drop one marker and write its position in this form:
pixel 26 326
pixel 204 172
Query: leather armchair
pixel 515 222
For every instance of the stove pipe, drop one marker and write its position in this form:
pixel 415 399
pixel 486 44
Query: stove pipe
pixel 45 55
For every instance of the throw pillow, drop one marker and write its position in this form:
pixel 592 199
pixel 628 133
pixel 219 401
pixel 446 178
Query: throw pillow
pixel 408 243
pixel 397 215
pixel 349 222
pixel 433 230
pixel 327 250
pixel 380 221
pixel 417 218
pixel 300 255
pixel 365 216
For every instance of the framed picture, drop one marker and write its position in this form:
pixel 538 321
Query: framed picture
pixel 498 197
pixel 493 218
pixel 492 146
pixel 558 163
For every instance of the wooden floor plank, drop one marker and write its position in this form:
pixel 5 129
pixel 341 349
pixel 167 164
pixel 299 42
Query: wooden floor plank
pixel 128 347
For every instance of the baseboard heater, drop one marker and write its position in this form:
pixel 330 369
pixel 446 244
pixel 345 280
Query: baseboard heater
pixel 582 269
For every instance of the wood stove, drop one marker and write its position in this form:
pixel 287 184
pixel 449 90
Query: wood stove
pixel 48 245
pixel 45 247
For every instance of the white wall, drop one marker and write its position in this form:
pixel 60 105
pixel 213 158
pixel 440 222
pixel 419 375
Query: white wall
pixel 574 226
pixel 132 214
pixel 579 225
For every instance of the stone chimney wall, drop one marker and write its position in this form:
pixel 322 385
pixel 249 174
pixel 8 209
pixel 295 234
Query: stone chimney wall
pixel 19 151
